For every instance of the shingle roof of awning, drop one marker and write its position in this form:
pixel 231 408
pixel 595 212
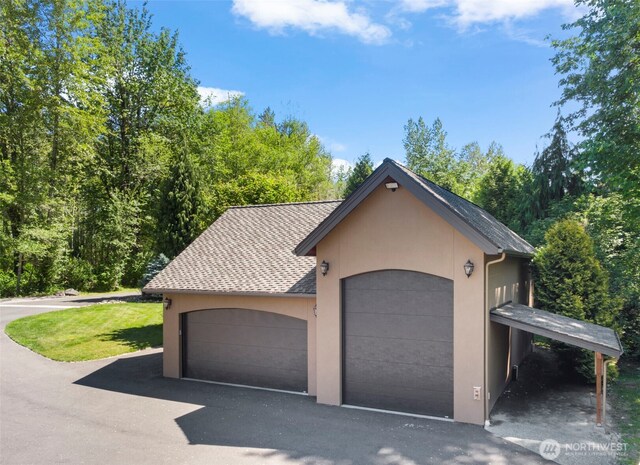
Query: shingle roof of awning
pixel 561 328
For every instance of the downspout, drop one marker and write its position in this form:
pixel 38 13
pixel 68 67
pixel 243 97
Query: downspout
pixel 486 333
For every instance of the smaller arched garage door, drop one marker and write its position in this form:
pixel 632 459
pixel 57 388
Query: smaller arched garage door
pixel 398 342
pixel 248 347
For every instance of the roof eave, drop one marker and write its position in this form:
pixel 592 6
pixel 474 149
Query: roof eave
pixel 223 293
pixel 517 253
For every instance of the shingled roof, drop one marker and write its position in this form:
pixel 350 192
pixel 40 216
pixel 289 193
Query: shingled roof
pixel 559 327
pixel 489 234
pixel 248 250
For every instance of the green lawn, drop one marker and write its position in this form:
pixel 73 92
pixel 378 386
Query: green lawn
pixel 89 333
pixel 626 402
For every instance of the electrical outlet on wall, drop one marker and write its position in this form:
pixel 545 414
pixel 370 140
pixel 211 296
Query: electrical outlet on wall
pixel 476 392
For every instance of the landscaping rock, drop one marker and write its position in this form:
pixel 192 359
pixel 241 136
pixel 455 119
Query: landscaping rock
pixel 71 292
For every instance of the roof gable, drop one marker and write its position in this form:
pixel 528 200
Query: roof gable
pixel 481 228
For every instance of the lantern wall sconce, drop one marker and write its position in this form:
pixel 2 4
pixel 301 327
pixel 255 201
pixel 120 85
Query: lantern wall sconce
pixel 468 268
pixel 324 268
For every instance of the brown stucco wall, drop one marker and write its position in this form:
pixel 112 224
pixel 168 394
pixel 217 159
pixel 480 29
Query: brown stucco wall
pixel 508 281
pixel 297 307
pixel 394 230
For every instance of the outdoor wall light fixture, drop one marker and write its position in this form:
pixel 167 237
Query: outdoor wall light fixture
pixel 392 186
pixel 468 268
pixel 324 268
pixel 166 303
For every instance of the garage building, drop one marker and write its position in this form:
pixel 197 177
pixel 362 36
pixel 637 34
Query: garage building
pixel 380 301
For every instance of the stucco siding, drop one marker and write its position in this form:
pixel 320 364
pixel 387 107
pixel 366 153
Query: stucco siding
pixel 394 230
pixel 506 346
pixel 297 307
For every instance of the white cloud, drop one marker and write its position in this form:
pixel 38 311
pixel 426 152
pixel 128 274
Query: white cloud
pixel 418 6
pixel 332 145
pixel 337 147
pixel 212 96
pixel 312 16
pixel 338 164
pixel 469 12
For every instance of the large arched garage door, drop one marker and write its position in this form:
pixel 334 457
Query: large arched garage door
pixel 249 347
pixel 398 342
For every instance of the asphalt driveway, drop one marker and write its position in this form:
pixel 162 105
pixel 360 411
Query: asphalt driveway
pixel 122 411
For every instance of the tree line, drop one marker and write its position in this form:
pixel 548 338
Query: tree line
pixel 107 155
pixel 578 204
pixel 110 162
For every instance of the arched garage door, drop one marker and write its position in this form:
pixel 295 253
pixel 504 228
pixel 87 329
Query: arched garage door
pixel 248 347
pixel 398 342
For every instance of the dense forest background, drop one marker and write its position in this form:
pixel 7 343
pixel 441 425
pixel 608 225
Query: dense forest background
pixel 108 158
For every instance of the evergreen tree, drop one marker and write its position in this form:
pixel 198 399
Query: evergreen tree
pixel 178 219
pixel 360 172
pixel 268 118
pixel 570 281
pixel 554 173
pixel 155 266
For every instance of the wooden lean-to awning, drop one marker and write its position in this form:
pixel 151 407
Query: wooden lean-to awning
pixel 599 339
pixel 561 328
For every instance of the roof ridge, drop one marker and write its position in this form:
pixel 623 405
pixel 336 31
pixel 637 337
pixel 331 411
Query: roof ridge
pixel 312 202
pixel 432 183
pixel 424 178
pixel 485 230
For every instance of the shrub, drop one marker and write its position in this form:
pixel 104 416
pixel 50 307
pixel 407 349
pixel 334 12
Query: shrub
pixel 155 266
pixel 79 274
pixel 570 281
pixel 629 320
pixel 135 269
pixel 7 284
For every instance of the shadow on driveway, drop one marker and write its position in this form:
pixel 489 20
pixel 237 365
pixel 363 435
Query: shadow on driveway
pixel 294 429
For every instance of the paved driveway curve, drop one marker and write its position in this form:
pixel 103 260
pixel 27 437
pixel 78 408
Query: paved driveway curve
pixel 122 411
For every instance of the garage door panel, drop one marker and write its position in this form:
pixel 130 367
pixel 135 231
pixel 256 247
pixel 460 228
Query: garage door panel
pixel 402 375
pixel 251 347
pixel 424 353
pixel 434 404
pixel 249 376
pixel 214 353
pixel 398 342
pixel 387 302
pixel 417 327
pixel 398 280
pixel 284 338
pixel 244 317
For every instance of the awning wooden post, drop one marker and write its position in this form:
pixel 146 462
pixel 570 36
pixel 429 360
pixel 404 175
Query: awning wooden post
pixel 599 365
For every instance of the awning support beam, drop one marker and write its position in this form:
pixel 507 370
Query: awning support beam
pixel 599 396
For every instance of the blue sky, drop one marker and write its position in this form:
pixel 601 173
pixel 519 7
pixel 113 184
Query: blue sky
pixel 357 71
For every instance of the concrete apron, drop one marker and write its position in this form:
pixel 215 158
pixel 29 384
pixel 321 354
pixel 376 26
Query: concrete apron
pixel 554 418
